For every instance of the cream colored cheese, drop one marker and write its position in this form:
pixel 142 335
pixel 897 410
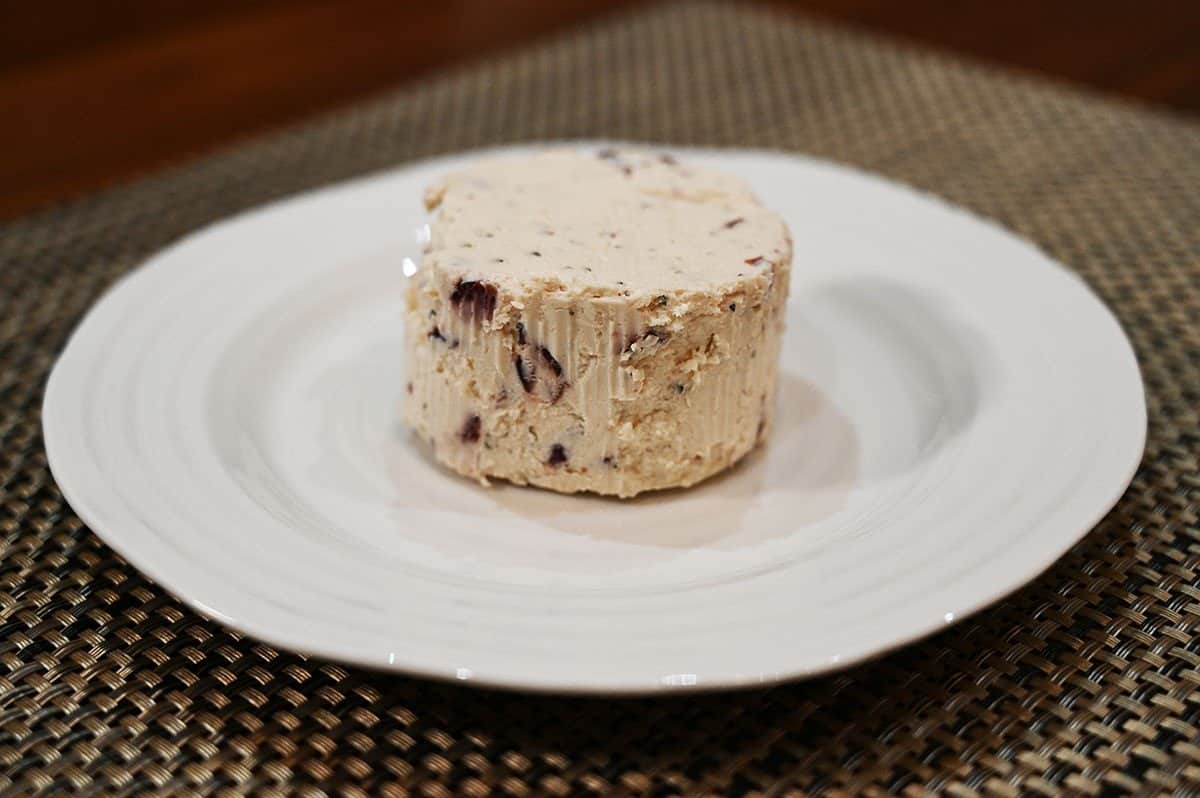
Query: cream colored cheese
pixel 607 321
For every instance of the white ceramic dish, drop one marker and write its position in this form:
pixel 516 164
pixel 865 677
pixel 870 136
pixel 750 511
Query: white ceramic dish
pixel 956 411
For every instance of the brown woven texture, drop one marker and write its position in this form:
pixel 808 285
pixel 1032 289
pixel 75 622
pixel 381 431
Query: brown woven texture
pixel 1086 682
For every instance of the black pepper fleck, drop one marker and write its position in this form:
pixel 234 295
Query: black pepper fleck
pixel 732 307
pixel 558 455
pixel 732 223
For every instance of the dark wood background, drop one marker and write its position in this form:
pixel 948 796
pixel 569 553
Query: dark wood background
pixel 96 91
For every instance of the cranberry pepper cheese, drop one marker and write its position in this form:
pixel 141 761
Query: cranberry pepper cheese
pixel 605 322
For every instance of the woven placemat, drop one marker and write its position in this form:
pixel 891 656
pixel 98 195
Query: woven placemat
pixel 1087 682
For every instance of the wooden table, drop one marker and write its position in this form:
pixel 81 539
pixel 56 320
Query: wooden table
pixel 96 91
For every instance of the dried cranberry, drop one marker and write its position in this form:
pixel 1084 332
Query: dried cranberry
pixel 558 455
pixel 550 361
pixel 540 373
pixel 471 430
pixel 474 299
pixel 524 373
pixel 652 337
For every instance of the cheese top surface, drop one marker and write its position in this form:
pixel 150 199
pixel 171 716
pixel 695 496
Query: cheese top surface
pixel 607 222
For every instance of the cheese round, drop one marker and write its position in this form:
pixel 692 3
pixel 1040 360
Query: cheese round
pixel 604 321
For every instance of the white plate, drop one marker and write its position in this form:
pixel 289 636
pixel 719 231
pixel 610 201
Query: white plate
pixel 956 410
